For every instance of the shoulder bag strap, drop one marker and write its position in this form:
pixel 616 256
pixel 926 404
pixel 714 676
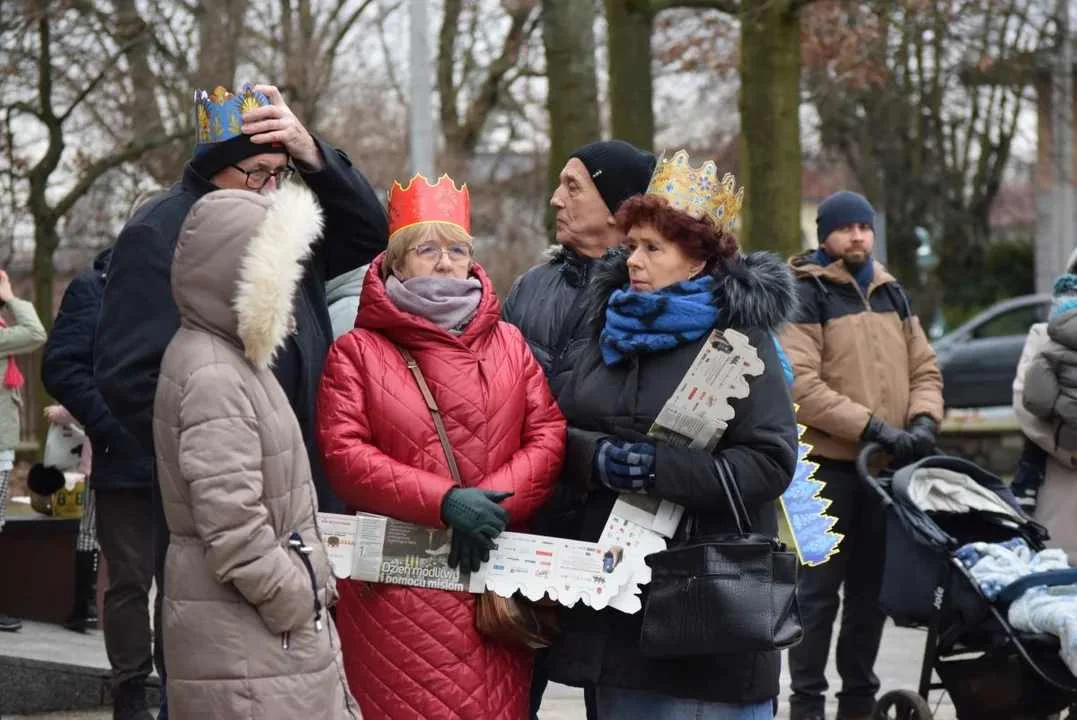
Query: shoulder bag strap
pixel 732 494
pixel 435 413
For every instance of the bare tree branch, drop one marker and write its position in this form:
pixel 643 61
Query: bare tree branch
pixel 106 68
pixel 118 157
pixel 486 98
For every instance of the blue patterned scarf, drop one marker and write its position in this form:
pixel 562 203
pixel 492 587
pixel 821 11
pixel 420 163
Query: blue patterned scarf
pixel 654 321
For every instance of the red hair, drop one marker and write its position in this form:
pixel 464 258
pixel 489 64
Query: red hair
pixel 699 239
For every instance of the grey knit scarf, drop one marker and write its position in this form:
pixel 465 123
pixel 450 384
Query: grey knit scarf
pixel 448 302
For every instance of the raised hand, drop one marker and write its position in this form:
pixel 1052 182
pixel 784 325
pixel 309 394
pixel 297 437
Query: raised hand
pixel 276 123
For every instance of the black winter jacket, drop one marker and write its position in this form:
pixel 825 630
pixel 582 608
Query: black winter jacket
pixel 544 299
pixel 755 295
pixel 139 316
pixel 119 462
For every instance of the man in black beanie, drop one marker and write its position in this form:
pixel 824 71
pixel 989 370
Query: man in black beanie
pixel 863 372
pixel 250 141
pixel 546 302
pixel 543 301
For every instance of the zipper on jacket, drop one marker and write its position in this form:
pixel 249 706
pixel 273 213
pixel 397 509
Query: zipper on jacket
pixel 863 295
pixel 295 542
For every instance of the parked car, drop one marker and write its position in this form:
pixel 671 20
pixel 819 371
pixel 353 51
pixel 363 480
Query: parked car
pixel 979 359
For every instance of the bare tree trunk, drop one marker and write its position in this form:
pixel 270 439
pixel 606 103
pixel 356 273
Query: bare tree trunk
pixel 301 60
pixel 220 28
pixel 629 24
pixel 143 110
pixel 572 97
pixel 770 126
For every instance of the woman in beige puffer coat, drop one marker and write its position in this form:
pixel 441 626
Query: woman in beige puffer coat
pixel 247 578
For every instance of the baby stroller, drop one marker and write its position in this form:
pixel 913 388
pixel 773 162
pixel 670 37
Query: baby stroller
pixel 990 670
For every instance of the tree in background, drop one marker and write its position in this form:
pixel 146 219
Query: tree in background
pixel 769 102
pixel 572 88
pixel 476 70
pixel 889 80
pixel 76 71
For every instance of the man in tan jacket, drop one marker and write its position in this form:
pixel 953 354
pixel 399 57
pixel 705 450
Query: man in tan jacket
pixel 864 372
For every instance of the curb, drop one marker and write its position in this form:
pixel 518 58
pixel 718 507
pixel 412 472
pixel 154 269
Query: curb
pixel 35 686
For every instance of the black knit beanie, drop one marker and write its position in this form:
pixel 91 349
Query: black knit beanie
pixel 619 170
pixel 210 158
pixel 841 209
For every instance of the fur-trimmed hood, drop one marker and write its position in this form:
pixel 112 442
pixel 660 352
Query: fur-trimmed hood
pixel 754 290
pixel 238 264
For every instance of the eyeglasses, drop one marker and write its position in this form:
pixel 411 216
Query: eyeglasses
pixel 457 252
pixel 257 179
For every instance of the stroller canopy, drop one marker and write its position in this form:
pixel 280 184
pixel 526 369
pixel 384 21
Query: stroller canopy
pixel 952 485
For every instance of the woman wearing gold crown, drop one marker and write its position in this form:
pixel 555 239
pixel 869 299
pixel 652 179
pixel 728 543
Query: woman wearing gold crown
pixel 429 333
pixel 679 277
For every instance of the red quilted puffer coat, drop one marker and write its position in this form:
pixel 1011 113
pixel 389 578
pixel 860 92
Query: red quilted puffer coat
pixel 408 652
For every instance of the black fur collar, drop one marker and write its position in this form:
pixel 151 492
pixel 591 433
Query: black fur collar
pixel 755 290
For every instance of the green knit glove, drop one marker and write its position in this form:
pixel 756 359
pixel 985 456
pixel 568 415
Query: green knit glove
pixel 475 513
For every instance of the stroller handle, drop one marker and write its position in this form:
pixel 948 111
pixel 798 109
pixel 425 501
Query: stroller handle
pixel 862 459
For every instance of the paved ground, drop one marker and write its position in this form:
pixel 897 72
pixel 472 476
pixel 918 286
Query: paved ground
pixel 898 666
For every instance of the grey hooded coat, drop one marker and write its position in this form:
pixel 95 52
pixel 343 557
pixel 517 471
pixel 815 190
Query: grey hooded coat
pixel 1051 380
pixel 247 578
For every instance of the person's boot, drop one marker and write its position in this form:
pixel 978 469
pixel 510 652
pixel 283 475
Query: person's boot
pixel 84 612
pixel 129 702
pixel 10 624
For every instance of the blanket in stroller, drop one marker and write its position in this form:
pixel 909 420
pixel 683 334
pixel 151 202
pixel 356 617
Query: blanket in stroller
pixel 1041 608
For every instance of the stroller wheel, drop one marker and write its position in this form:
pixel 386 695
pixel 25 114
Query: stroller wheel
pixel 902 705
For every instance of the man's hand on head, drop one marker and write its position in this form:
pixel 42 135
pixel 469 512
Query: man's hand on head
pixel 276 123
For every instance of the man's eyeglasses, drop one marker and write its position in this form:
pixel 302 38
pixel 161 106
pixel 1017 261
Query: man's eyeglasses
pixel 457 252
pixel 257 179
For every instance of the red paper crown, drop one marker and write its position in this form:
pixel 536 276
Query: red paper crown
pixel 421 202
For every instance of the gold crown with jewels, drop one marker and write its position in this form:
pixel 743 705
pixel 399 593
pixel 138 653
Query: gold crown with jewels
pixel 697 192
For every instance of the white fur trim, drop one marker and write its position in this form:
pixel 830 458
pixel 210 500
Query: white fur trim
pixel 270 271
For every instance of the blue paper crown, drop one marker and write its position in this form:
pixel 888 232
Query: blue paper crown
pixel 219 115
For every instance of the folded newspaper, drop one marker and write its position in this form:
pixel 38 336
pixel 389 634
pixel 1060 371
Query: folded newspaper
pixel 695 416
pixel 380 549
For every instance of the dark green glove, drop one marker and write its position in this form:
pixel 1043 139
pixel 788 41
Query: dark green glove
pixel 468 553
pixel 923 430
pixel 475 512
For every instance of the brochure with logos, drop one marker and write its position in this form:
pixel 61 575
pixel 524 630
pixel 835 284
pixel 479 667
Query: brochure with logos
pixel 380 549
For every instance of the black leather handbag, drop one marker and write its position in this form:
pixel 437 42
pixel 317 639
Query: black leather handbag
pixel 722 594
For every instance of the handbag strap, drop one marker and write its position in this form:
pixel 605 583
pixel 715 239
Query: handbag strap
pixel 732 494
pixel 435 413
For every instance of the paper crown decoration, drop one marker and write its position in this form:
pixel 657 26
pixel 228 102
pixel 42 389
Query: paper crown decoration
pixel 219 114
pixel 697 191
pixel 421 202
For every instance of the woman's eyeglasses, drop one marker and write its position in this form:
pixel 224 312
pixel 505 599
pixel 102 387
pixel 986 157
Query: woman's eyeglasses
pixel 257 179
pixel 457 252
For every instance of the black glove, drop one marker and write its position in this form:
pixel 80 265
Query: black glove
pixel 469 552
pixel 923 430
pixel 476 519
pixel 900 443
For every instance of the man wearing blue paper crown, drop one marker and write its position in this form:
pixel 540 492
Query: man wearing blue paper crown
pixel 248 141
pixel 864 372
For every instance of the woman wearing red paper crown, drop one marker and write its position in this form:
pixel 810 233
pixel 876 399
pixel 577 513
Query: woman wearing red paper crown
pixel 484 461
pixel 678 277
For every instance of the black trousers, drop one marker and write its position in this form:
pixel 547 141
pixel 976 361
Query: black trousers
pixel 858 565
pixel 541 678
pixel 125 534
